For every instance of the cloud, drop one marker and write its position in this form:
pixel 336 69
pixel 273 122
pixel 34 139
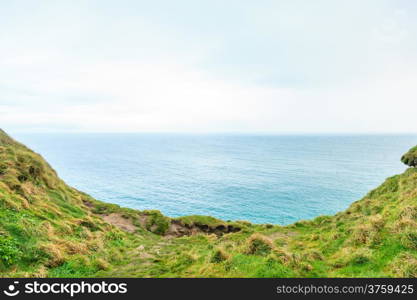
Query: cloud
pixel 131 96
pixel 250 67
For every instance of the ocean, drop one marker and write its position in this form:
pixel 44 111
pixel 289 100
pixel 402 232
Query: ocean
pixel 276 179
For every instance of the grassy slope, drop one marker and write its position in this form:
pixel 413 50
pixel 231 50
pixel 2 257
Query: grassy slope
pixel 50 229
pixel 45 229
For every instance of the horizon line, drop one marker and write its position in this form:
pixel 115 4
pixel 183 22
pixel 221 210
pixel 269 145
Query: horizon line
pixel 276 133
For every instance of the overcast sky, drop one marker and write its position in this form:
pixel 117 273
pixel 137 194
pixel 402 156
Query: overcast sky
pixel 209 66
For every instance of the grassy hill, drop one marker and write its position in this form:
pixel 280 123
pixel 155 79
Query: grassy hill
pixel 49 229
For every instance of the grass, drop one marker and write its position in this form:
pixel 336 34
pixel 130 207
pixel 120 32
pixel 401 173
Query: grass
pixel 48 229
pixel 156 222
pixel 410 158
pixel 201 220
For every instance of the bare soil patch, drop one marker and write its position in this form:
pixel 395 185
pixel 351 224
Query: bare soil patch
pixel 119 221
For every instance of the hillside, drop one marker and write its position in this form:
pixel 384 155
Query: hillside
pixel 49 229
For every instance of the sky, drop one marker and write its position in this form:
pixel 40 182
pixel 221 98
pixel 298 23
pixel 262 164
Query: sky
pixel 197 66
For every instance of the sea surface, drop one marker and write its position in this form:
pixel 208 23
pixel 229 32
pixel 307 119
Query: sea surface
pixel 260 178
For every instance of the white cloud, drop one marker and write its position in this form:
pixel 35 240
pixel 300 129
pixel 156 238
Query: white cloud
pixel 273 68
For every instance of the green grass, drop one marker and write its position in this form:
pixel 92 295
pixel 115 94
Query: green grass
pixel 201 220
pixel 410 158
pixel 48 229
pixel 156 222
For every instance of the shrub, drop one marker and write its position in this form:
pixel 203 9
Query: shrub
pixel 156 222
pixel 219 255
pixel 9 250
pixel 259 245
pixel 410 158
pixel 282 255
pixel 361 234
pixel 54 253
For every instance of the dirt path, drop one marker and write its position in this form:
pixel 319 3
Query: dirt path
pixel 118 221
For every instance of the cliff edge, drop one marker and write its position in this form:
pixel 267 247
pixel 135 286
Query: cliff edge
pixel 49 229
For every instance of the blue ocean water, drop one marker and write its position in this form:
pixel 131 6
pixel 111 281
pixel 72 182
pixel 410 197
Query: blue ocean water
pixel 260 178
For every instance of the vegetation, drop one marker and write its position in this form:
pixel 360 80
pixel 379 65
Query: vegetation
pixel 48 229
pixel 201 220
pixel 410 158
